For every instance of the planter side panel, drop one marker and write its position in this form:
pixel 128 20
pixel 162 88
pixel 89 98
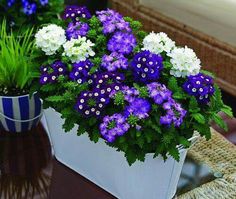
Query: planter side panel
pixel 154 179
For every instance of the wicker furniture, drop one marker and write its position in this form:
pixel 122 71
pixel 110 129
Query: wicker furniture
pixel 216 56
pixel 220 156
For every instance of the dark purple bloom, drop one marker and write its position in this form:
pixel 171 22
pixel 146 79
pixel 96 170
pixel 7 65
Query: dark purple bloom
pixel 74 30
pixel 113 127
pixel 159 92
pixel 112 21
pixel 44 69
pixel 122 42
pixel 139 107
pixel 108 82
pixel 76 12
pixel 48 78
pixel 29 8
pixel 44 79
pixel 91 103
pixel 200 86
pixel 114 61
pixel 59 68
pixel 146 66
pixel 43 2
pixel 80 72
pixel 10 2
pixel 174 113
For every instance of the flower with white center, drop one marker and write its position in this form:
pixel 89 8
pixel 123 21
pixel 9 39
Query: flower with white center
pixel 184 62
pixel 78 50
pixel 50 38
pixel 158 43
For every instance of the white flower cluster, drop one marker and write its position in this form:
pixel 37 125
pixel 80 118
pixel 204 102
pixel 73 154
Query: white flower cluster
pixel 50 38
pixel 184 62
pixel 158 42
pixel 78 49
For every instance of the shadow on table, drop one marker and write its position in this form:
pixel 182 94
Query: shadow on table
pixel 24 160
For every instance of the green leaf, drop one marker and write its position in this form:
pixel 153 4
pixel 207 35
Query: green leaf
pixel 81 130
pixel 193 105
pixel 95 135
pixel 68 125
pixel 130 156
pixel 173 84
pixel 55 98
pixel 227 110
pixel 203 129
pixel 159 149
pixel 174 152
pixel 219 121
pixel 183 141
pixel 199 118
pixel 140 142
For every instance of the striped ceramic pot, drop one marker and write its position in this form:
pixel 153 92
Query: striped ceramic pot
pixel 20 113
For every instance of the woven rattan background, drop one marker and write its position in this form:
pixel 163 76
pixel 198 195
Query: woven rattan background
pixel 215 55
pixel 220 156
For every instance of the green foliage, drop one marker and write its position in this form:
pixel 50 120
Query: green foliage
pixel 16 19
pixel 17 67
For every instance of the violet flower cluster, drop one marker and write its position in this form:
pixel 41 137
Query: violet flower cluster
pixel 146 66
pixel 163 96
pixel 122 42
pixel 76 28
pixel 114 61
pixel 80 72
pixel 113 127
pixel 200 86
pixel 112 21
pixel 76 12
pixel 28 7
pixel 50 73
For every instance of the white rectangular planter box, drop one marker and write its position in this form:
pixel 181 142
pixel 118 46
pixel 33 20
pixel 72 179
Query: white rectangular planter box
pixel 107 168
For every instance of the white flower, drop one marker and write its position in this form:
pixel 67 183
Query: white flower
pixel 184 62
pixel 78 49
pixel 157 43
pixel 50 38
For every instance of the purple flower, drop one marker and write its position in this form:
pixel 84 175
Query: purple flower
pixel 74 30
pixel 44 79
pixel 159 92
pixel 122 42
pixel 29 8
pixel 43 2
pixel 108 82
pixel 114 61
pixel 91 103
pixel 48 78
pixel 44 69
pixel 80 72
pixel 10 3
pixel 139 107
pixel 146 66
pixel 59 68
pixel 174 113
pixel 76 12
pixel 113 127
pixel 200 86
pixel 112 21
pixel 130 94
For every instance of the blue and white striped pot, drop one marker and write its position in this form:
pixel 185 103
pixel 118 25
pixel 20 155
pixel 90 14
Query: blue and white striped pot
pixel 20 113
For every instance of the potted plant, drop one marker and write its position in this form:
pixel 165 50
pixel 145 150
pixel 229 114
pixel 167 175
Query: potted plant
pixel 27 13
pixel 137 92
pixel 19 111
